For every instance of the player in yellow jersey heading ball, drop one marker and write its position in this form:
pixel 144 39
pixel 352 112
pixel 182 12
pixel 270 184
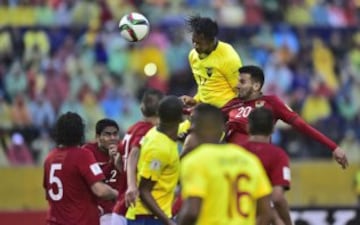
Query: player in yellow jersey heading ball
pixel 222 184
pixel 214 64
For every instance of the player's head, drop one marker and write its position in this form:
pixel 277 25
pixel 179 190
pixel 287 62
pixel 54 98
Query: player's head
pixel 150 102
pixel 170 110
pixel 261 122
pixel 69 130
pixel 207 123
pixel 204 31
pixel 251 80
pixel 107 133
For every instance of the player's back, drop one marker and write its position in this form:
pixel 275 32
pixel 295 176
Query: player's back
pixel 274 160
pixel 158 160
pixel 237 112
pixel 216 75
pixel 224 176
pixel 68 175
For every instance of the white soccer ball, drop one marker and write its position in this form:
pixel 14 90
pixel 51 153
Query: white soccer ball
pixel 134 27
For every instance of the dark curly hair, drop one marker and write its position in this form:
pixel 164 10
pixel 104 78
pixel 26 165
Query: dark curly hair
pixel 204 26
pixel 69 130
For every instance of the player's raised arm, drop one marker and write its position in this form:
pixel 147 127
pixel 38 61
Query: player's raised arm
pixel 132 190
pixel 284 113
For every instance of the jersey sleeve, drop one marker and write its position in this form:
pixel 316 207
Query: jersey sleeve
pixel 280 172
pixel 192 179
pixel 282 111
pixel 153 164
pixel 230 68
pixel 89 168
pixel 263 186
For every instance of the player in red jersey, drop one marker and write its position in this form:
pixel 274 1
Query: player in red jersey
pixel 274 160
pixel 72 178
pixel 105 150
pixel 237 110
pixel 129 151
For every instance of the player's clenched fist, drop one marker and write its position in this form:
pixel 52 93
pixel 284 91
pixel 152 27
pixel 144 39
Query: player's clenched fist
pixel 188 101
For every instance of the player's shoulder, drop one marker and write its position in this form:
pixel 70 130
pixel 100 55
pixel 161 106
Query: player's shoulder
pixel 193 55
pixel 232 103
pixel 265 148
pixel 272 99
pixel 90 146
pixel 156 138
pixel 226 49
pixel 140 126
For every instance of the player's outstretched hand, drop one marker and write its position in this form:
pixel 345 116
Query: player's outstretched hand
pixel 131 195
pixel 340 157
pixel 188 101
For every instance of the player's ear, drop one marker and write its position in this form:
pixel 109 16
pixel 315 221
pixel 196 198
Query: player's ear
pixel 256 86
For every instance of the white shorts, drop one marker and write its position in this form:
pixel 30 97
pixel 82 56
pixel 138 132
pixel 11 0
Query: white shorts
pixel 117 219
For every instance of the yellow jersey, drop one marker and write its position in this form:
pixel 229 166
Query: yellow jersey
pixel 216 75
pixel 158 161
pixel 228 179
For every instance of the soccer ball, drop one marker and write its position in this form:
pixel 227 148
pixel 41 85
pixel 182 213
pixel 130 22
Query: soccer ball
pixel 134 27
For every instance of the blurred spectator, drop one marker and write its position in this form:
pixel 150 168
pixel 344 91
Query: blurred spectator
pixel 20 112
pixel 36 39
pixel 44 14
pixel 316 100
pixel 5 114
pixel 351 146
pixel 92 111
pixel 324 64
pixel 278 77
pixel 3 157
pixel 18 153
pixel 42 112
pixel 319 13
pixel 72 104
pixel 15 80
pixel 6 48
pixel 85 12
pixel 113 104
pixel 354 57
pixel 41 147
pixel 298 13
pixel 63 13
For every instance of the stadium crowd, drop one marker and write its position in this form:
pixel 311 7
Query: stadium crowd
pixel 59 55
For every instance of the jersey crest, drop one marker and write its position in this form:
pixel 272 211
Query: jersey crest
pixel 209 71
pixel 259 104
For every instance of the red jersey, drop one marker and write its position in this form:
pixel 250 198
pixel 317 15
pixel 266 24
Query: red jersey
pixel 237 112
pixel 274 160
pixel 131 139
pixel 112 175
pixel 68 176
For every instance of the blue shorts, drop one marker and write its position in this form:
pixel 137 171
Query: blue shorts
pixel 145 221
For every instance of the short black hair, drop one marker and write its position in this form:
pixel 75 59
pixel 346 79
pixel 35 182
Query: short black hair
pixel 261 121
pixel 205 113
pixel 150 102
pixel 103 123
pixel 170 110
pixel 69 129
pixel 204 26
pixel 255 72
